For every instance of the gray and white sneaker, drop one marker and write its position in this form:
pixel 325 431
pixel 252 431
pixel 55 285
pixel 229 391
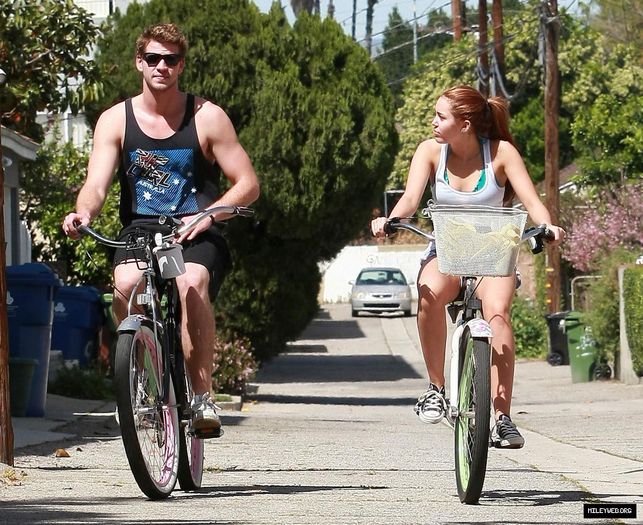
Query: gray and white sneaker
pixel 205 422
pixel 431 406
pixel 505 434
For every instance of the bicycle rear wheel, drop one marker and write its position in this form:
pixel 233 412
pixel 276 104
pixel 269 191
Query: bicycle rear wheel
pixel 149 424
pixel 472 423
pixel 190 448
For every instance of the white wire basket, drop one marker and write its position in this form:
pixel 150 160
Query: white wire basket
pixel 477 240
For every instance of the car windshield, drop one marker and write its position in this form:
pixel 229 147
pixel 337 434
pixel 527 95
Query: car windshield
pixel 381 277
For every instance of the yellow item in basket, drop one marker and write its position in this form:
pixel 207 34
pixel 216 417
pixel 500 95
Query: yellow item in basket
pixel 495 247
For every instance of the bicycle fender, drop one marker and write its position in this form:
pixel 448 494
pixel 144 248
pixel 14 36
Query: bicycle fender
pixel 479 328
pixel 132 323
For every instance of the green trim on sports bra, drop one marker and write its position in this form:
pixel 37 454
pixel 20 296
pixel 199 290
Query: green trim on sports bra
pixel 479 185
pixel 483 172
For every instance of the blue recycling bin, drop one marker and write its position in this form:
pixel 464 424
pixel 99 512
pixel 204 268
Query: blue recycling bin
pixel 78 318
pixel 31 289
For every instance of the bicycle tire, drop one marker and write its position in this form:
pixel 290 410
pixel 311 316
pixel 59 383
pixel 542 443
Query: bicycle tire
pixel 191 449
pixel 472 423
pixel 149 425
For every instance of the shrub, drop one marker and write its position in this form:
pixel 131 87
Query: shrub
pixel 603 316
pixel 610 220
pixel 633 297
pixel 234 365
pixel 82 383
pixel 530 329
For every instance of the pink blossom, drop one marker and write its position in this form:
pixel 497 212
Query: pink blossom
pixel 611 220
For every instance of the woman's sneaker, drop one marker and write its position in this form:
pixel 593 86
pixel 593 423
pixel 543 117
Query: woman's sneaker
pixel 205 422
pixel 505 434
pixel 431 406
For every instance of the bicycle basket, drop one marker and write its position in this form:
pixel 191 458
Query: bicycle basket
pixel 477 240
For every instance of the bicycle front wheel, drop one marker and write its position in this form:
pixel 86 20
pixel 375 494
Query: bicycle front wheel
pixel 191 448
pixel 148 419
pixel 472 423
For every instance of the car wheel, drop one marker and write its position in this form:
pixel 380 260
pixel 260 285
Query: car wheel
pixel 353 313
pixel 407 313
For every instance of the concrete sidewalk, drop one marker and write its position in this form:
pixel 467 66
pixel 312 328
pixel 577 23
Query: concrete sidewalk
pixel 330 437
pixel 59 412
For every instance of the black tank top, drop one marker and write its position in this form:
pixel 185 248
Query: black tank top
pixel 168 176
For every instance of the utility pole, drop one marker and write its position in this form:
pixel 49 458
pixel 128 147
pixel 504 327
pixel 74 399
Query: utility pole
pixel 498 39
pixel 456 14
pixel 331 10
pixel 551 27
pixel 483 72
pixel 415 35
pixel 6 428
pixel 354 17
pixel 369 25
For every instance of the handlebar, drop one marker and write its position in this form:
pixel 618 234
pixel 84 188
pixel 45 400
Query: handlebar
pixel 395 223
pixel 534 235
pixel 177 227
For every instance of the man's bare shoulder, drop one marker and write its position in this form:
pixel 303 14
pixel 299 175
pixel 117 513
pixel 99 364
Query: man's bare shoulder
pixel 204 108
pixel 112 119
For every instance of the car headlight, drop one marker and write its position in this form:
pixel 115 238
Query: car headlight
pixel 403 295
pixel 360 295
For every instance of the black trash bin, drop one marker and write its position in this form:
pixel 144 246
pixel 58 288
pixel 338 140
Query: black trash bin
pixel 31 289
pixel 558 348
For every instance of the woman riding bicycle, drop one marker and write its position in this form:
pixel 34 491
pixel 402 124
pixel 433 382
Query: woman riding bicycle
pixel 472 160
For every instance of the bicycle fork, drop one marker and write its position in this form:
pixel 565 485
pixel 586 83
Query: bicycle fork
pixel 478 328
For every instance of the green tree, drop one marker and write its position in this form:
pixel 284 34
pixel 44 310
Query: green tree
pixel 45 48
pixel 620 21
pixel 396 56
pixel 585 74
pixel 316 117
pixel 608 129
pixel 48 193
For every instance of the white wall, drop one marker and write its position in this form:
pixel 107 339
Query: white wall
pixel 337 273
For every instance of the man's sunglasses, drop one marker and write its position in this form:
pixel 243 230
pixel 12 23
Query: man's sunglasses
pixel 153 59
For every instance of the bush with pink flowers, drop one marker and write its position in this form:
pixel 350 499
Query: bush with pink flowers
pixel 234 365
pixel 610 220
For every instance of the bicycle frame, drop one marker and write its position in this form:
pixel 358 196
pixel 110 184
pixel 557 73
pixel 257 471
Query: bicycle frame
pixel 469 306
pixel 469 404
pixel 154 392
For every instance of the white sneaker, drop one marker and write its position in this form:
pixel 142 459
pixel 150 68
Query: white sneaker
pixel 431 406
pixel 205 422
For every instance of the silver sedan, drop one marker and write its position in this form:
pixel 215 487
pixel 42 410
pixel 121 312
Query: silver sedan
pixel 380 290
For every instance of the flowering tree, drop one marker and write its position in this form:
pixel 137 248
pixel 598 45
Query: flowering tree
pixel 611 219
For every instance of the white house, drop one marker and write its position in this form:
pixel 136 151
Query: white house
pixel 16 149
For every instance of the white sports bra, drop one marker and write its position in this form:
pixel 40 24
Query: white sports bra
pixel 487 192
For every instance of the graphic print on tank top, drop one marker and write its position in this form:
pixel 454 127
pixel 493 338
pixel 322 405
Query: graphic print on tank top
pixel 164 181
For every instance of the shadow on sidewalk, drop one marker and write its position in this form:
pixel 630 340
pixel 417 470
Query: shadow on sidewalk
pixel 539 498
pixel 334 400
pixel 326 328
pixel 300 368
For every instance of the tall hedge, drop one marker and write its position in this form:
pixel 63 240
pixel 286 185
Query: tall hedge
pixel 317 119
pixel 633 297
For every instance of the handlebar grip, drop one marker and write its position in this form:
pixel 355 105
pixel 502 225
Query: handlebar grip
pixel 548 234
pixel 389 226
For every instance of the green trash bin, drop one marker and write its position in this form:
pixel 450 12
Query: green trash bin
pixel 110 333
pixel 583 352
pixel 21 370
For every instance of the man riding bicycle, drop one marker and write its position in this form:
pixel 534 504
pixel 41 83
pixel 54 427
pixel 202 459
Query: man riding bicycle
pixel 168 147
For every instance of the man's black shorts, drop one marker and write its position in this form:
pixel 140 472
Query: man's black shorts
pixel 209 249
